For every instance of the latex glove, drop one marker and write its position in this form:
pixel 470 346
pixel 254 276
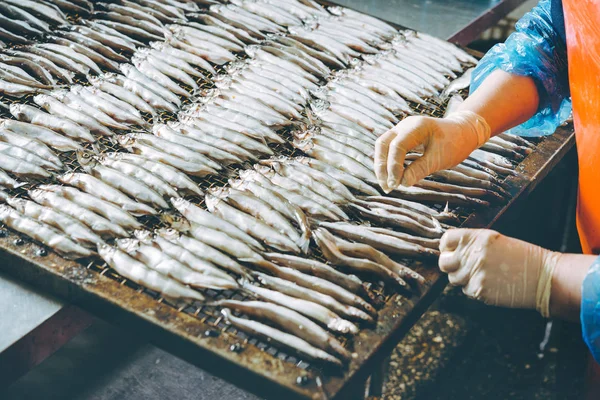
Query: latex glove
pixel 448 141
pixel 498 270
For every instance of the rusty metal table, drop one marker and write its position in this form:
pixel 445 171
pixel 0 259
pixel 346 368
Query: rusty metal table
pixel 57 322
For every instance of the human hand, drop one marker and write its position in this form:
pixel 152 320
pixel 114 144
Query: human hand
pixel 498 270
pixel 447 142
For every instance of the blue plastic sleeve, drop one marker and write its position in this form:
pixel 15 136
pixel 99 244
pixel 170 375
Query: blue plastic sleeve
pixel 537 49
pixel 590 309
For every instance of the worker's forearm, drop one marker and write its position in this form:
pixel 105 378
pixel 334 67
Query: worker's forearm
pixel 565 299
pixel 503 100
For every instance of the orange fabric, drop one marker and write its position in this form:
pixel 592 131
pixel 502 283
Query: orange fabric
pixel 582 24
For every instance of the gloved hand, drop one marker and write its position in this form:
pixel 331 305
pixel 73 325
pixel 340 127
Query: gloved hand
pixel 447 141
pixel 498 270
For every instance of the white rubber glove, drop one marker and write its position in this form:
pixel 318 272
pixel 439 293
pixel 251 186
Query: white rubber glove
pixel 448 141
pixel 498 270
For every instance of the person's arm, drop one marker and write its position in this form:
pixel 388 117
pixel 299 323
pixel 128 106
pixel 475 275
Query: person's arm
pixel 567 279
pixel 503 100
pixel 524 79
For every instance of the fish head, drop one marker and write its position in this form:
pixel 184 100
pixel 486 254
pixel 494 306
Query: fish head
pixel 252 50
pixel 222 81
pixel 106 252
pixel 86 159
pixel 6 211
pixel 158 45
pixel 169 234
pixel 128 245
pixel 180 204
pixel 126 141
pixel 304 145
pixel 144 236
pixel 220 192
pixel 264 170
pixel 175 221
pixel 38 194
pixel 59 94
pixel 211 201
pixel 238 183
pixel 302 160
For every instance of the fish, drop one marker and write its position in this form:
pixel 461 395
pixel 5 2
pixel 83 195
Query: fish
pixel 17 90
pixel 103 28
pixel 76 56
pixel 18 26
pixel 33 145
pixel 341 176
pixel 115 43
pixel 302 347
pixel 56 107
pixel 192 261
pixel 56 71
pixel 71 227
pixel 160 77
pixel 339 160
pixel 308 205
pixel 419 194
pixel 300 188
pixel 312 267
pixel 60 60
pixel 35 116
pixel 45 11
pixel 108 106
pixel 174 53
pixel 367 252
pixel 101 47
pixel 236 152
pixel 136 271
pixel 251 225
pixel 384 217
pixel 42 233
pixel 44 135
pixel 109 211
pixel 95 222
pixel 125 95
pixel 79 103
pixel 474 192
pixel 134 74
pixel 141 174
pixel 316 312
pixel 184 32
pixel 278 203
pixel 71 6
pixel 165 132
pixel 124 183
pixel 95 186
pixel 254 206
pixel 9 183
pixel 34 68
pixel 309 294
pixel 202 217
pixel 168 63
pixel 171 175
pixel 290 321
pixel 94 55
pixel 141 147
pixel 327 243
pixel 156 13
pixel 156 260
pixel 204 251
pixel 119 20
pixel 132 12
pixel 22 168
pixel 443 216
pixel 27 156
pixel 22 14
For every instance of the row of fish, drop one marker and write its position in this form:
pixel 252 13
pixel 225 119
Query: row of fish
pixel 145 57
